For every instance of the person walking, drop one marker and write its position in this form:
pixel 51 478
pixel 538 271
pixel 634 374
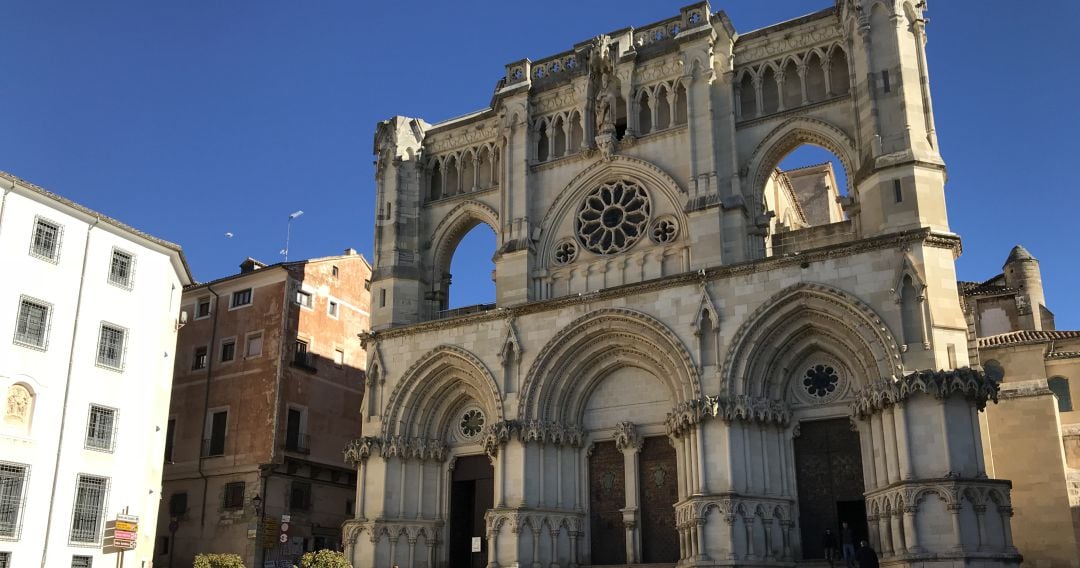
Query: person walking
pixel 828 542
pixel 847 539
pixel 866 556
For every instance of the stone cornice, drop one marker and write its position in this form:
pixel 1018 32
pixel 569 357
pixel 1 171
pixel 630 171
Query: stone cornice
pixel 894 240
pixel 967 382
pixel 531 431
pixel 750 409
pixel 1024 389
pixel 422 449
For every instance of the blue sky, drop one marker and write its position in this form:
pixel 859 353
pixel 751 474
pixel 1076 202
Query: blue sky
pixel 193 119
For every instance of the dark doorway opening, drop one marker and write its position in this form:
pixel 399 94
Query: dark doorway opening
pixel 659 492
pixel 472 493
pixel 828 464
pixel 607 498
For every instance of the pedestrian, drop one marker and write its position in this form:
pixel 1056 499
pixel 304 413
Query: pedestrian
pixel 848 540
pixel 828 542
pixel 866 556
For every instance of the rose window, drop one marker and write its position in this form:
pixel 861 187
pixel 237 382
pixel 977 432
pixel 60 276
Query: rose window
pixel 820 380
pixel 472 422
pixel 613 217
pixel 565 252
pixel 664 231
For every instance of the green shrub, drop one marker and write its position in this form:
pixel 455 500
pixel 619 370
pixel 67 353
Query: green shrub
pixel 218 561
pixel 324 559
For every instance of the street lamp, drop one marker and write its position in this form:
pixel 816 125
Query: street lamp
pixel 288 232
pixel 256 503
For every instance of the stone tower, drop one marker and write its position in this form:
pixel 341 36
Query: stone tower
pixel 669 375
pixel 1021 271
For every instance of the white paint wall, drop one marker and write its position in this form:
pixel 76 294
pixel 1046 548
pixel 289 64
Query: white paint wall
pixel 53 446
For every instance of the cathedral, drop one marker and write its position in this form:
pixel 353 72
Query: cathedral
pixel 694 358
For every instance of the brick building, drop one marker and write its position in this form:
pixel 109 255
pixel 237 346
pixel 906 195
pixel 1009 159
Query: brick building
pixel 269 380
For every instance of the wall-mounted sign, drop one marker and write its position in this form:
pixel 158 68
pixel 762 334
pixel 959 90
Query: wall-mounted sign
pixel 476 544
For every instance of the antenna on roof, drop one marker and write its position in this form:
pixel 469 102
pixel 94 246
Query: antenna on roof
pixel 288 232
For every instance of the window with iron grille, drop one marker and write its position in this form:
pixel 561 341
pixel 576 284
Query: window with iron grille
pixel 12 489
pixel 100 428
pixel 111 347
pixel 45 242
pixel 121 268
pixel 32 325
pixel 90 494
pixel 228 350
pixel 178 504
pixel 300 496
pixel 5 560
pixel 240 298
pixel 82 561
pixel 234 495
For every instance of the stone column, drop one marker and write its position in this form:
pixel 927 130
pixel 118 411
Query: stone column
pixel 980 515
pixel 911 531
pixel 629 443
pixel 536 548
pixel 748 524
pixel 730 520
pixel 553 549
pixel 759 99
pixel 767 525
pixel 802 82
pixel 574 549
pixel 885 534
pixel 828 75
pixel 898 532
pixel 957 535
pixel 412 549
pixel 699 528
pixel 903 446
pixel 875 533
pixel 780 80
pixel 393 549
pixel 493 545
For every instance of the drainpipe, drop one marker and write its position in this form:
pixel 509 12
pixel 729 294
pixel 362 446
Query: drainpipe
pixel 206 403
pixel 67 387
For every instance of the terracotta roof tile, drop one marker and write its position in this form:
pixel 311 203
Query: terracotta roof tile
pixel 1026 336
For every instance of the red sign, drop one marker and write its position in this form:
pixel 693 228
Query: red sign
pixel 124 535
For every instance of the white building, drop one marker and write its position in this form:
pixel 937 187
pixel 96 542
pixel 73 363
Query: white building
pixel 91 306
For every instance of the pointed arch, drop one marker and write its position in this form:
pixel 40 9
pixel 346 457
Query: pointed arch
pixel 645 124
pixel 576 132
pixel 680 103
pixel 572 363
pixel 663 106
pixel 459 221
pixel 791 134
pixel 452 179
pixel 435 385
pixel 798 321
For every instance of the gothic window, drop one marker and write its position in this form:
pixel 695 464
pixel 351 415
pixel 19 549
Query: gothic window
pixel 821 381
pixel 471 423
pixel 792 85
pixel 664 230
pixel 644 113
pixel 576 134
pixel 663 108
pixel 748 97
pixel 613 217
pixel 565 252
pixel 559 134
pixel 707 339
pixel 815 78
pixel 910 312
pixel 468 173
pixel 453 185
pixel 770 92
pixel 542 143
pixel 839 81
pixel 483 165
pixel 680 104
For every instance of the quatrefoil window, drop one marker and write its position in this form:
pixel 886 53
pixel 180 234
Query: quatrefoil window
pixel 664 231
pixel 472 422
pixel 571 62
pixel 613 217
pixel 821 380
pixel 695 18
pixel 517 74
pixel 565 252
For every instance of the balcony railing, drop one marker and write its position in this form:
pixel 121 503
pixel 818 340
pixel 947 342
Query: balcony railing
pixel 443 314
pixel 300 443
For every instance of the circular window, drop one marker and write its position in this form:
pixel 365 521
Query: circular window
pixel 664 230
pixel 613 217
pixel 821 381
pixel 472 422
pixel 565 252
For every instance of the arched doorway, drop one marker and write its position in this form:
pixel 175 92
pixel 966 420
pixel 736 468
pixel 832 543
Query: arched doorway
pixel 829 478
pixel 472 494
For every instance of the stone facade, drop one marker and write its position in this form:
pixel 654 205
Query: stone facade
pixel 269 374
pixel 645 311
pixel 1032 435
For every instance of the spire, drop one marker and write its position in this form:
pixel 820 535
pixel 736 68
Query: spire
pixel 1019 253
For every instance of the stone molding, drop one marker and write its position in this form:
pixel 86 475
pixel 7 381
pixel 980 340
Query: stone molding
pixel 905 496
pixel 1024 389
pixel 422 449
pixel 536 519
pixel 431 530
pixel 925 235
pixel 688 414
pixel 627 437
pixel 965 381
pixel 733 505
pixel 531 432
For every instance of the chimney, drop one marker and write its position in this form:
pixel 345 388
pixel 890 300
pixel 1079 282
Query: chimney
pixel 350 252
pixel 250 265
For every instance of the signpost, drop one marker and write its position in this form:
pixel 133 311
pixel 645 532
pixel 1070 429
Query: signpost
pixel 121 535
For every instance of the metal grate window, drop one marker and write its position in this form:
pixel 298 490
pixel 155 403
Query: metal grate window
pixel 90 496
pixel 82 561
pixel 32 325
pixel 234 495
pixel 101 428
pixel 121 268
pixel 45 242
pixel 5 560
pixel 12 483
pixel 111 346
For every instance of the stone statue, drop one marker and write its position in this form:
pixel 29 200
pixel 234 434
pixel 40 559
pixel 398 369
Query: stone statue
pixel 17 410
pixel 605 106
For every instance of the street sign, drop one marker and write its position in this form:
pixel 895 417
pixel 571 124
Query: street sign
pixel 284 527
pixel 124 535
pixel 283 538
pixel 285 518
pixel 121 534
pixel 126 526
pixel 476 544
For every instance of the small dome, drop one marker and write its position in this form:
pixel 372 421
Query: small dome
pixel 1019 253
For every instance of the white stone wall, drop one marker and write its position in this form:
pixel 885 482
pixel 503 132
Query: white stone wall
pixel 65 380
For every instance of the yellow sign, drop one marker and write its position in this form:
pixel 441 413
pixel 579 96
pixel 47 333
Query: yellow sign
pixel 126 526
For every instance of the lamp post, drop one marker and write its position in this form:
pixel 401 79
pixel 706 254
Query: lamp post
pixel 288 231
pixel 256 504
